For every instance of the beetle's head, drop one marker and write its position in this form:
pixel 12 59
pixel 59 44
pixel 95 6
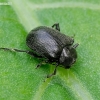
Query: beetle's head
pixel 68 56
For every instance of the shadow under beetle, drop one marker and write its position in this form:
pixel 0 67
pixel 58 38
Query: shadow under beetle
pixel 51 45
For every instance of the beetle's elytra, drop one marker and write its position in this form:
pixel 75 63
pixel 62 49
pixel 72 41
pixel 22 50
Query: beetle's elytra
pixel 50 44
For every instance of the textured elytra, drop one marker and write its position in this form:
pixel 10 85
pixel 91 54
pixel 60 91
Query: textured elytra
pixel 52 41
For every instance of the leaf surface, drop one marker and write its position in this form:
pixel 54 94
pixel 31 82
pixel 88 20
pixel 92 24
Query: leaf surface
pixel 19 80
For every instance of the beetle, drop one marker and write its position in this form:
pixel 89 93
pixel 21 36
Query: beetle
pixel 50 45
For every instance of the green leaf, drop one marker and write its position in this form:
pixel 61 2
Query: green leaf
pixel 19 80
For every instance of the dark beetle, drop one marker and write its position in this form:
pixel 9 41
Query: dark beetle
pixel 51 45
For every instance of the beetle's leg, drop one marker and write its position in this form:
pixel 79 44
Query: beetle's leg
pixel 56 25
pixel 39 65
pixel 76 45
pixel 16 50
pixel 54 73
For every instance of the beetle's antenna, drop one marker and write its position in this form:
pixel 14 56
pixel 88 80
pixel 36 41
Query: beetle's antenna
pixel 26 51
pixel 76 45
